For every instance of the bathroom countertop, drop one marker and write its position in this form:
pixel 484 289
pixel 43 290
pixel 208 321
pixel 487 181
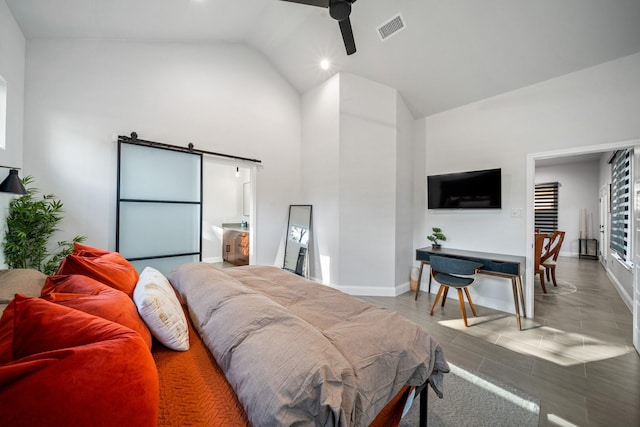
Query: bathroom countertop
pixel 235 226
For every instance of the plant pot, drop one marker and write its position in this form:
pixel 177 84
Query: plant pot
pixel 436 246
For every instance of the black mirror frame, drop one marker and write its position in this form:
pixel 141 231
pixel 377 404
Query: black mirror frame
pixel 301 268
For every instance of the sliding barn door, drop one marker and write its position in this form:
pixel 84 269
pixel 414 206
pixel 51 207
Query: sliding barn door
pixel 159 218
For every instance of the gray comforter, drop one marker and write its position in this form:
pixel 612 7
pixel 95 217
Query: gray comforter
pixel 300 353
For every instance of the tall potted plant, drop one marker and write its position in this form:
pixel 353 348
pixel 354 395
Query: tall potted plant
pixel 31 221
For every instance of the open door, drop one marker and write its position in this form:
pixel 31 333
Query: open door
pixel 604 225
pixel 636 250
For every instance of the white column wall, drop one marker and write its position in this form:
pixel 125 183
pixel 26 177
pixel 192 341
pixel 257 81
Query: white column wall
pixel 419 186
pixel 321 176
pixel 358 172
pixel 404 247
pixel 367 184
pixel 221 97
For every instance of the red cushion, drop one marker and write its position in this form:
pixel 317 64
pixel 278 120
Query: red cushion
pixel 112 269
pixel 85 250
pixel 88 295
pixel 6 334
pixel 71 368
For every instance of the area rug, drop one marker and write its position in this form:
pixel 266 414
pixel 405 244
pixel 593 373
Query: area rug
pixel 473 400
pixel 563 288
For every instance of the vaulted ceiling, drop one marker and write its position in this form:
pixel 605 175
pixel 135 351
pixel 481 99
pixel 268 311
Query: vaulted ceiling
pixel 451 53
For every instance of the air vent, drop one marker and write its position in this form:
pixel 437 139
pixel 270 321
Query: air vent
pixel 391 27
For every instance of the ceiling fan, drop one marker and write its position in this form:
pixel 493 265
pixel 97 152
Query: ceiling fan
pixel 340 11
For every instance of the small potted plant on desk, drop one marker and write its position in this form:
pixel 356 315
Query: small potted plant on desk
pixel 436 236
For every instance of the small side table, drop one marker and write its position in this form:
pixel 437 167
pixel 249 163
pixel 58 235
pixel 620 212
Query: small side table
pixel 588 248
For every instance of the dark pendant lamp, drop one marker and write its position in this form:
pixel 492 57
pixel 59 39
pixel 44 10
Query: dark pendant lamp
pixel 12 183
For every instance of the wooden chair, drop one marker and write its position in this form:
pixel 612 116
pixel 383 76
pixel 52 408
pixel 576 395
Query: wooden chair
pixel 550 258
pixel 453 273
pixel 538 268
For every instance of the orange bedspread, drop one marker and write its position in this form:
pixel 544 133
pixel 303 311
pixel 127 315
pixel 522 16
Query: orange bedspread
pixel 193 388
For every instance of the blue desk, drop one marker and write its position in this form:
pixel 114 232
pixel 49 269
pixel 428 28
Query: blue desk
pixel 497 265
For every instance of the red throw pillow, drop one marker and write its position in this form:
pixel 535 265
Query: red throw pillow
pixel 112 269
pixel 89 251
pixel 71 368
pixel 86 294
pixel 6 334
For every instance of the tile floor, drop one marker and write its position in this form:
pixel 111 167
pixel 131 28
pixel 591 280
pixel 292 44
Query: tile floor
pixel 576 355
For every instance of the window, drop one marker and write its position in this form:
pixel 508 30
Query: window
pixel 620 202
pixel 546 207
pixel 3 113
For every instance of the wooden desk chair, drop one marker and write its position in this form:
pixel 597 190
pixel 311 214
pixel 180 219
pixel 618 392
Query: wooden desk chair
pixel 550 258
pixel 538 250
pixel 453 273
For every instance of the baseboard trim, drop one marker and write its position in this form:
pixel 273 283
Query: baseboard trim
pixel 626 298
pixel 368 291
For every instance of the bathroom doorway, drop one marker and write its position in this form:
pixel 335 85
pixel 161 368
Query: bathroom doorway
pixel 228 206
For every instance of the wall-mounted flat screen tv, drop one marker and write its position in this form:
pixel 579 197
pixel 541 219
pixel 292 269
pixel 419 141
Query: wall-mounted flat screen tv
pixel 465 190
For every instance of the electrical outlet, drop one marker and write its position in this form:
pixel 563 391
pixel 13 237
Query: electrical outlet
pixel 516 212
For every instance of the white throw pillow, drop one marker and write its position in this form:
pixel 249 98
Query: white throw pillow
pixel 160 309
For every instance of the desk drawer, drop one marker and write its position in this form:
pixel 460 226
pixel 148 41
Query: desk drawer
pixel 507 268
pixel 422 256
pixel 493 266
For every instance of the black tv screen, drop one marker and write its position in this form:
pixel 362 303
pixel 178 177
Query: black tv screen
pixel 465 190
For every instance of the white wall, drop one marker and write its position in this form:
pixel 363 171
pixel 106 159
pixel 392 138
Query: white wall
pixel 578 189
pixel 594 106
pixel 419 186
pixel 320 176
pixel 12 65
pixel 357 172
pixel 404 194
pixel 221 97
pixel 367 184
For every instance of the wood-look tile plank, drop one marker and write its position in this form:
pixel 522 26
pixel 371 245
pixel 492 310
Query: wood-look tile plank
pixel 612 412
pixel 575 355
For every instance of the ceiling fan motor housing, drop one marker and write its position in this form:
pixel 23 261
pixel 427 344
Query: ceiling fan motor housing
pixel 340 9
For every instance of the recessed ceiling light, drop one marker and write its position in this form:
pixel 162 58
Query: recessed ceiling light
pixel 325 64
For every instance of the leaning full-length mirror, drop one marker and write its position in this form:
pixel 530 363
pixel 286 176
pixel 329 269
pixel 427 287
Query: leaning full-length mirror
pixel 297 242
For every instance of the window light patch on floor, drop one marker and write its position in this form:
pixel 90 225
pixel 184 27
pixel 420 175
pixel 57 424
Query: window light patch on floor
pixel 554 345
pixel 495 389
pixel 558 421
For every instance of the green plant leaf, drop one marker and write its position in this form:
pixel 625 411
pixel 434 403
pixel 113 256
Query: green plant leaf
pixel 30 223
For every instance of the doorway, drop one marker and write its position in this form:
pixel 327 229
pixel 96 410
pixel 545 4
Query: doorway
pixel 532 159
pixel 604 223
pixel 228 203
pixel 162 190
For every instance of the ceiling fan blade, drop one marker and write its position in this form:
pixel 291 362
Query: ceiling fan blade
pixel 319 3
pixel 347 36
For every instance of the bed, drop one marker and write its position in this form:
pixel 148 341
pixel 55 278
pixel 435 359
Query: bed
pixel 267 348
pixel 294 351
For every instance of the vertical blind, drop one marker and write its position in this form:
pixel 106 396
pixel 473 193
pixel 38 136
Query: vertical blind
pixel 620 202
pixel 546 207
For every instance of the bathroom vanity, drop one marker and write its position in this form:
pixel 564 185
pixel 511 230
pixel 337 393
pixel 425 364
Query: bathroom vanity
pixel 235 243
